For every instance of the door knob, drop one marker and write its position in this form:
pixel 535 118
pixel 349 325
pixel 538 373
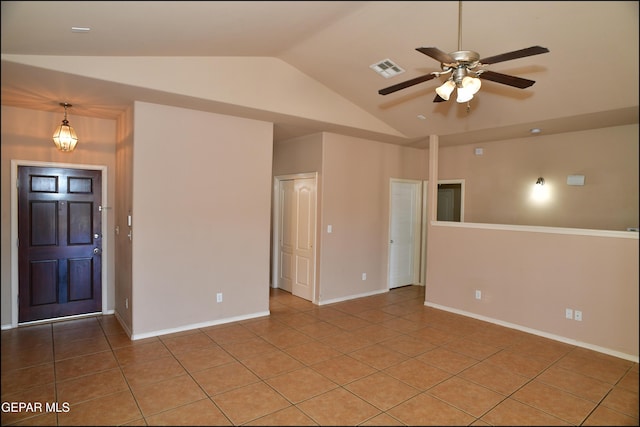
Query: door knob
pixel 96 251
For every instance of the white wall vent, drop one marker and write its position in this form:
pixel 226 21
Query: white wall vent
pixel 386 68
pixel 575 180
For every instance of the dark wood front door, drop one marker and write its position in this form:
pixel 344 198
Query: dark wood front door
pixel 60 242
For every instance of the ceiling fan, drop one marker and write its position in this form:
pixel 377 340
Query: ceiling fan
pixel 466 68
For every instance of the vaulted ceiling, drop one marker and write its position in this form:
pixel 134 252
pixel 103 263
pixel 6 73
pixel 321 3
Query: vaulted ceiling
pixel 588 79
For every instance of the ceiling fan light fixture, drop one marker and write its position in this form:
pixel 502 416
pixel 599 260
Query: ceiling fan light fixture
pixel 472 84
pixel 445 90
pixel 465 94
pixel 466 68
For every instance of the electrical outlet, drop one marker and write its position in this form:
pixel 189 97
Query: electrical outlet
pixel 478 294
pixel 126 303
pixel 568 313
pixel 577 315
pixel 219 297
pixel 364 276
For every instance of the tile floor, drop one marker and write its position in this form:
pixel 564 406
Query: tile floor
pixel 380 360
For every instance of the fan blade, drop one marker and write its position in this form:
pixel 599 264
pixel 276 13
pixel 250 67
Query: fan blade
pixel 438 98
pixel 436 54
pixel 506 79
pixel 533 50
pixel 405 84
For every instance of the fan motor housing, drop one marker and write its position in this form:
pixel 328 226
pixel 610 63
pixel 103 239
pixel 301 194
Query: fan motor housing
pixel 465 56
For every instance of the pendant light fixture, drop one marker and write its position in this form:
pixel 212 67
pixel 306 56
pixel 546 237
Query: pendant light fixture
pixel 64 136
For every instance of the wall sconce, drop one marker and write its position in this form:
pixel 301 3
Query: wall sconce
pixel 64 136
pixel 540 193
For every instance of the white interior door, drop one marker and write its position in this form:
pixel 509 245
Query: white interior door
pixel 297 213
pixel 286 233
pixel 404 232
pixel 304 271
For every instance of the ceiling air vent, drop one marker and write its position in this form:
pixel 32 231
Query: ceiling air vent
pixel 386 68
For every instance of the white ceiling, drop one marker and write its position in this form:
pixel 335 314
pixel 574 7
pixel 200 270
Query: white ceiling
pixel 588 79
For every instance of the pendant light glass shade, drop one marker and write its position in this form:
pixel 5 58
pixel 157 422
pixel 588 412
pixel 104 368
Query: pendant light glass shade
pixel 470 86
pixel 464 95
pixel 64 136
pixel 445 90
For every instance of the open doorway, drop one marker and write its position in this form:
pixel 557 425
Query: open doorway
pixel 451 200
pixel 294 234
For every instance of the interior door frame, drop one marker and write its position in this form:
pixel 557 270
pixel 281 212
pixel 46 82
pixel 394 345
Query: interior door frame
pixel 15 278
pixel 456 181
pixel 420 246
pixel 275 241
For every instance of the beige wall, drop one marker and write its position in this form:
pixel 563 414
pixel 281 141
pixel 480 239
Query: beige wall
pixel 26 137
pixel 201 218
pixel 355 200
pixel 528 276
pixel 353 189
pixel 500 182
pixel 298 155
pixel 124 305
pixel 185 249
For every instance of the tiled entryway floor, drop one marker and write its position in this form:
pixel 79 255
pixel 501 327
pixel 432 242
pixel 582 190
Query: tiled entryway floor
pixel 379 360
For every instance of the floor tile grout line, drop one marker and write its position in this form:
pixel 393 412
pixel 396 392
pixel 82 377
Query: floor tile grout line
pixel 629 368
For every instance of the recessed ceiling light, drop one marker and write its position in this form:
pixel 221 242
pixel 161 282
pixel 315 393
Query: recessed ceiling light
pixel 535 131
pixel 80 29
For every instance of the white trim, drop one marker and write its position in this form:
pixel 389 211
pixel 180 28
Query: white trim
pixel 199 325
pixel 417 252
pixel 424 220
pixel 539 229
pixel 15 278
pixel 536 332
pixel 275 242
pixel 350 297
pixel 61 319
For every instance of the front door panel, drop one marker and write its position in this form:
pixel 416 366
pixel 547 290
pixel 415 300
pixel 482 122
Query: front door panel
pixel 60 242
